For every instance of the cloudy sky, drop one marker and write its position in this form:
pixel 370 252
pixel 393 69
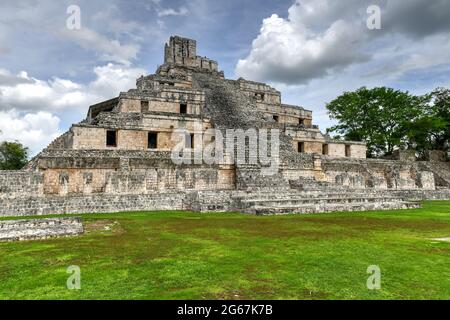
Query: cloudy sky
pixel 311 50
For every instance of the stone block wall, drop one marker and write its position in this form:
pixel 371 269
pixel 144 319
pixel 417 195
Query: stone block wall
pixel 437 156
pixel 15 184
pixel 75 181
pixel 31 206
pixel 425 180
pixel 312 147
pixel 206 64
pixel 88 137
pixel 13 230
pixel 135 136
pixel 169 101
pixel 404 155
pixel 378 174
pixel 182 51
pixel 64 182
pixel 358 151
pixel 335 150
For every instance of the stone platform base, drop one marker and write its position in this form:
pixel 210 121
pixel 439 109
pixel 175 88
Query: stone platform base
pixel 311 201
pixel 266 201
pixel 15 230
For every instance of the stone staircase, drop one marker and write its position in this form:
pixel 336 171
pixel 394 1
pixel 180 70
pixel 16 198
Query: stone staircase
pixel 57 143
pixel 310 184
pixel 294 201
pixel 320 201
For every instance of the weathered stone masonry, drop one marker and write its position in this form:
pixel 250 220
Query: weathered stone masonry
pixel 119 157
pixel 12 230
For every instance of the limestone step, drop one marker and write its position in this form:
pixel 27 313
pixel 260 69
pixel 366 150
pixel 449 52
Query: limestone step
pixel 274 202
pixel 322 208
pixel 310 195
pixel 20 233
pixel 325 200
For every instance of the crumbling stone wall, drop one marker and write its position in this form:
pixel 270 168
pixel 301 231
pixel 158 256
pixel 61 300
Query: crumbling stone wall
pixel 378 174
pixel 437 156
pixel 182 51
pixel 13 230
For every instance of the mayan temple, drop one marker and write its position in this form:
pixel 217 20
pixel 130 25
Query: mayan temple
pixel 120 157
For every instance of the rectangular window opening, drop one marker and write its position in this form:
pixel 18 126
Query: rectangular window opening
pixel 183 108
pixel 275 118
pixel 348 152
pixel 111 138
pixel 325 149
pixel 301 147
pixel 152 140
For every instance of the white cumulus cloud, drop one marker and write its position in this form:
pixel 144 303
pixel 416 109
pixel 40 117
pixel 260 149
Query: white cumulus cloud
pixel 108 49
pixel 25 93
pixel 165 12
pixel 29 107
pixel 173 12
pixel 289 51
pixel 34 130
pixel 320 37
pixel 112 78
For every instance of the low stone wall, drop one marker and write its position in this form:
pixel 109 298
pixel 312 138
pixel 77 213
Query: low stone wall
pixel 418 195
pixel 379 174
pixel 87 204
pixel 14 184
pixel 14 230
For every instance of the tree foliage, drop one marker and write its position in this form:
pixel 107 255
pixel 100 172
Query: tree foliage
pixel 388 119
pixel 13 156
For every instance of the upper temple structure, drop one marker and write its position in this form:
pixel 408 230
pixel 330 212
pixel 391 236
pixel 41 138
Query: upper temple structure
pixel 120 157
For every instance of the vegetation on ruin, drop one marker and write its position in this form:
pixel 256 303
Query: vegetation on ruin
pixel 388 119
pixel 174 255
pixel 13 155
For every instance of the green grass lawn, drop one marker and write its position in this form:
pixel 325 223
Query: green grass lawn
pixel 179 255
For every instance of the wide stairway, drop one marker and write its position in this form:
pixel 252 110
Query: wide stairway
pixel 294 201
pixel 315 202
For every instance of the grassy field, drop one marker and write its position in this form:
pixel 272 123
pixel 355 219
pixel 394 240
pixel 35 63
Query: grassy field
pixel 178 255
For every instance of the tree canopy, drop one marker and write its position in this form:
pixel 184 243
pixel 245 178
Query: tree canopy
pixel 388 119
pixel 13 156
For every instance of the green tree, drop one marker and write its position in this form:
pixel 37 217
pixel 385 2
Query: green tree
pixel 13 156
pixel 380 116
pixel 431 129
pixel 441 111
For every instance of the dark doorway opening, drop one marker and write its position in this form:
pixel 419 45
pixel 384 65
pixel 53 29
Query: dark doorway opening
pixel 111 138
pixel 152 140
pixel 183 108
